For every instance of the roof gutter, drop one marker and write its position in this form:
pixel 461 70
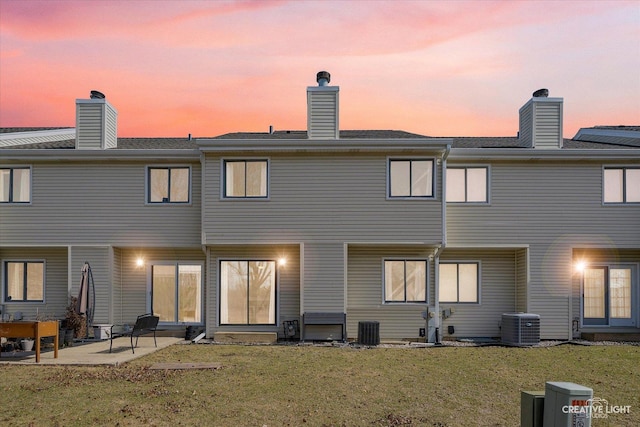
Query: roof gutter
pixel 543 154
pixel 306 145
pixel 110 154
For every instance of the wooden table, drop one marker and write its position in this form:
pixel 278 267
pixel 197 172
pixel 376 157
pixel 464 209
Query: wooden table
pixel 35 330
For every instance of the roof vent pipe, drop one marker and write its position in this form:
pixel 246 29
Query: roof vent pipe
pixel 541 93
pixel 323 78
pixel 96 95
pixel 270 129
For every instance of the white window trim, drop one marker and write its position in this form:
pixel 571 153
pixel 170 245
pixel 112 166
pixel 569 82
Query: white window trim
pixel 471 166
pixel 479 284
pixel 434 178
pixel 149 302
pixel 403 303
pixel 4 281
pixel 147 185
pixel 30 167
pixel 223 181
pixel 617 167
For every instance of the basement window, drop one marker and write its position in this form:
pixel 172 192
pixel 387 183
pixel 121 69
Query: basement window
pixel 15 185
pixel 169 184
pixel 410 178
pixel 405 281
pixel 621 185
pixel 24 281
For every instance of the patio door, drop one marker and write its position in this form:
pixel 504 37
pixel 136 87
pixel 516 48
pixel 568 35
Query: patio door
pixel 609 296
pixel 176 292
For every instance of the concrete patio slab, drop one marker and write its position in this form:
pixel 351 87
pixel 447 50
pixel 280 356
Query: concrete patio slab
pixel 92 353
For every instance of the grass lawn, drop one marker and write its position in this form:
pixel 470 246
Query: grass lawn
pixel 318 386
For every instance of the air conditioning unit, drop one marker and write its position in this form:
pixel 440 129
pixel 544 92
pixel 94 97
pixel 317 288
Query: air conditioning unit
pixel 520 329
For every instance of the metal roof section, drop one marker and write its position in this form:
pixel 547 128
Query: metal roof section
pixel 22 136
pixel 616 135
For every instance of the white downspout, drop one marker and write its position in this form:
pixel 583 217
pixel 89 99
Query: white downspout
pixel 436 257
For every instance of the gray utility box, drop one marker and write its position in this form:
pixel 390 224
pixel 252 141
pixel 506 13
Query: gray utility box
pixel 531 408
pixel 567 405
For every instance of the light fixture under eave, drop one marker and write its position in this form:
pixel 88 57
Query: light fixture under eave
pixel 140 262
pixel 282 262
pixel 580 266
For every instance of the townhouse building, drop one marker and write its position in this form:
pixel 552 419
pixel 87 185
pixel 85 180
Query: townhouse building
pixel 244 231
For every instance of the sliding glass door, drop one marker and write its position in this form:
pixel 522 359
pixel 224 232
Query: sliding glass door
pixel 608 296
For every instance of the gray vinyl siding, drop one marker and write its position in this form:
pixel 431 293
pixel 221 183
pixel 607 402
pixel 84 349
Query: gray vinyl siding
pixel 497 293
pixel 56 281
pixel 323 113
pixel 365 300
pixel 323 288
pixel 133 288
pixel 99 258
pixel 117 287
pixel 287 292
pixel 101 204
pixel 110 127
pixel 320 198
pixel 526 124
pixel 522 280
pixel 89 125
pixel 548 126
pixel 551 207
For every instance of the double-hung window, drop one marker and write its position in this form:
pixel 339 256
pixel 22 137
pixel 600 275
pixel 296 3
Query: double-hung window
pixel 168 184
pixel 459 282
pixel 411 178
pixel 467 184
pixel 621 185
pixel 24 281
pixel 405 281
pixel 15 185
pixel 248 292
pixel 245 178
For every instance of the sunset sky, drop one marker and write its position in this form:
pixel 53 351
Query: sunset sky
pixel 437 68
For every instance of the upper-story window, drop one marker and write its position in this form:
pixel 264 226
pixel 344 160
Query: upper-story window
pixel 168 184
pixel 411 178
pixel 245 178
pixel 405 280
pixel 467 184
pixel 24 281
pixel 622 185
pixel 15 185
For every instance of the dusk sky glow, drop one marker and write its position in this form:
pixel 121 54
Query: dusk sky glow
pixel 437 68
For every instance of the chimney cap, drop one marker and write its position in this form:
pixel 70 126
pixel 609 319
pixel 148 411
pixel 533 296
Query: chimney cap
pixel 95 94
pixel 323 75
pixel 541 93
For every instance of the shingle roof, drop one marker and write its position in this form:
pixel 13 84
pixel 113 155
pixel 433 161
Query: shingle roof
pixel 123 144
pixel 185 143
